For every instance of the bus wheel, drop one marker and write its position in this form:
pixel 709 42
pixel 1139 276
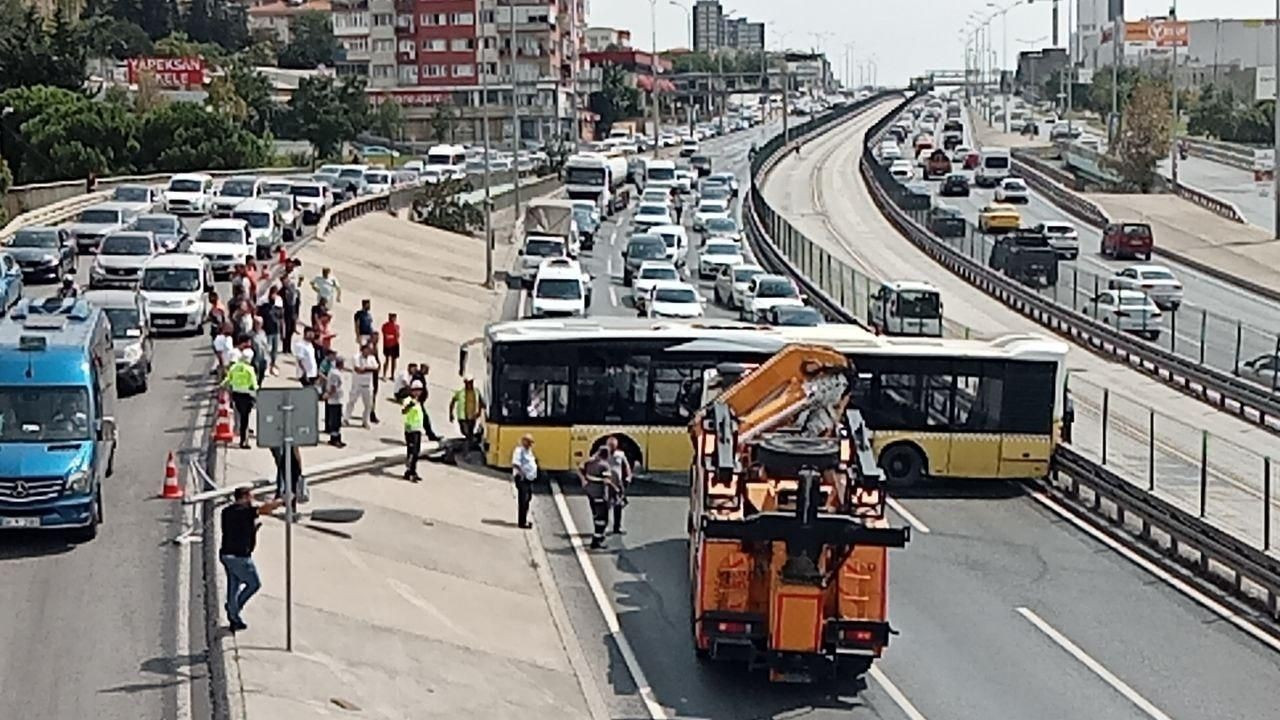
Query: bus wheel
pixel 903 465
pixel 626 445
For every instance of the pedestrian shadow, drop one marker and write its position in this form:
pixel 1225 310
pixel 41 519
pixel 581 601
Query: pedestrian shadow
pixel 498 523
pixel 175 670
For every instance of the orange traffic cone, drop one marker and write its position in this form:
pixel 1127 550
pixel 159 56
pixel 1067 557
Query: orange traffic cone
pixel 171 490
pixel 222 432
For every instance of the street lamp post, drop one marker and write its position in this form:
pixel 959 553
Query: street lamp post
pixel 1173 83
pixel 653 71
pixel 1275 190
pixel 688 17
pixel 515 113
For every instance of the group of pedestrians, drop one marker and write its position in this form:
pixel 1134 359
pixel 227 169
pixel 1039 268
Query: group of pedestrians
pixel 605 477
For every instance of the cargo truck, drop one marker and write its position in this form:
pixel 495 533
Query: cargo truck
pixel 598 178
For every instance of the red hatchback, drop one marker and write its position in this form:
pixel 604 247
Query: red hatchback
pixel 1129 238
pixel 971 160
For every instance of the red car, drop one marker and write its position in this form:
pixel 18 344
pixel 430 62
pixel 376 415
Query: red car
pixel 971 160
pixel 1127 238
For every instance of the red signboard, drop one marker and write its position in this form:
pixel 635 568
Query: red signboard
pixel 412 98
pixel 169 72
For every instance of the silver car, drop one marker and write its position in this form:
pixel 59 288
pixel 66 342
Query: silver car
pixel 287 214
pixel 130 334
pixel 121 257
pixel 140 198
pixel 97 221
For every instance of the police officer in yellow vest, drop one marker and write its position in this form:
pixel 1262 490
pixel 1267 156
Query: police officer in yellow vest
pixel 242 379
pixel 411 408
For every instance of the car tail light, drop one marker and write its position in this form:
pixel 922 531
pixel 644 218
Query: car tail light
pixel 858 636
pixel 738 628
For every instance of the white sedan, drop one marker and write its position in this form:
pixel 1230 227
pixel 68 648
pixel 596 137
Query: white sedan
pixel 674 299
pixel 1154 280
pixel 717 253
pixel 708 209
pixel 650 214
pixel 731 284
pixel 650 272
pixel 765 292
pixel 1012 190
pixel 901 170
pixel 1062 236
pixel 1128 311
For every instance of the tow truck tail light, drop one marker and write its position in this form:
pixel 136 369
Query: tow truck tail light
pixel 736 628
pixel 858 636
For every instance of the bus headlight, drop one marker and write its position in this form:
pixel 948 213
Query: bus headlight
pixel 78 482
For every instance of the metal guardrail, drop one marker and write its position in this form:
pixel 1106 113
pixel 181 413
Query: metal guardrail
pixel 1219 207
pixel 1237 156
pixel 1250 573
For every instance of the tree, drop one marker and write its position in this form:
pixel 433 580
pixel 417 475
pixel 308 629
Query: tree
pixel 34 51
pixel 178 44
pixel 615 100
pixel 326 113
pixel 184 136
pixel 217 22
pixel 442 123
pixel 437 205
pixel 311 42
pixel 1098 99
pixel 253 88
pixel 387 120
pixel 116 38
pixel 71 140
pixel 1145 135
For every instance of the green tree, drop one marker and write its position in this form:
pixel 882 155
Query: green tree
pixel 1098 99
pixel 442 123
pixel 185 136
pixel 34 51
pixel 218 22
pixel 179 44
pixel 6 182
pixel 387 120
pixel 615 100
pixel 311 42
pixel 73 140
pixel 1145 135
pixel 326 113
pixel 116 38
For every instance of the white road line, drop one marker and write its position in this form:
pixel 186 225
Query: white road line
pixel 524 301
pixel 609 266
pixel 1094 666
pixel 613 296
pixel 911 519
pixel 613 236
pixel 1217 608
pixel 655 709
pixel 898 697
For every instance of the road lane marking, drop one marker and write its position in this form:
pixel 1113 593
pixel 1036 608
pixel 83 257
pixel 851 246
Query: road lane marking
pixel 1241 622
pixel 613 296
pixel 643 689
pixel 906 514
pixel 613 236
pixel 1094 666
pixel 524 301
pixel 609 266
pixel 898 697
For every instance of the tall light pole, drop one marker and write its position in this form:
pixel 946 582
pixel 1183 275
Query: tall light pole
pixel 1275 189
pixel 484 134
pixel 689 17
pixel 515 112
pixel 1173 83
pixel 653 71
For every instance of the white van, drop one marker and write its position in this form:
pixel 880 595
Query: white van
pixel 993 166
pixel 659 173
pixel 560 289
pixel 188 193
pixel 264 227
pixel 175 288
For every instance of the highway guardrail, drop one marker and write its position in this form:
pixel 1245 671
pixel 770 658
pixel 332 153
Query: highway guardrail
pixel 1232 564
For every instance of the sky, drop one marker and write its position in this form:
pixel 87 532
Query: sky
pixel 901 38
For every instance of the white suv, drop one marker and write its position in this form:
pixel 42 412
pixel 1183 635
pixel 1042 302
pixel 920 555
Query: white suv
pixel 560 289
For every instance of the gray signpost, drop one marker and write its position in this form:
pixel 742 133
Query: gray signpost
pixel 288 418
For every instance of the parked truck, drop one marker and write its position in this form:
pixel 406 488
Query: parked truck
pixel 788 536
pixel 599 178
pixel 552 218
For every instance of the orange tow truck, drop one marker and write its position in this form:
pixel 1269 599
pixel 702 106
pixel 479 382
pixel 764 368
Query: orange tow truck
pixel 788 541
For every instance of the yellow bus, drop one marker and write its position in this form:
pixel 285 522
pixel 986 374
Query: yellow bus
pixel 937 408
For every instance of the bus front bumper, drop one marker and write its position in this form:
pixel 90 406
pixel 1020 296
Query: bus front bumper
pixel 68 512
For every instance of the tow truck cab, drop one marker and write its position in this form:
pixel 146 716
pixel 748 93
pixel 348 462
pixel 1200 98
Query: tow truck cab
pixel 57 415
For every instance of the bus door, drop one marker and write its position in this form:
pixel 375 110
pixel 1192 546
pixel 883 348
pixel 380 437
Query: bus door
pixel 612 398
pixel 976 443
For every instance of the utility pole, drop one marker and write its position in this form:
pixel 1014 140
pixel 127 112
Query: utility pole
pixel 1004 63
pixel 1275 189
pixel 1072 37
pixel 515 113
pixel 484 135
pixel 1117 54
pixel 1173 83
pixel 653 70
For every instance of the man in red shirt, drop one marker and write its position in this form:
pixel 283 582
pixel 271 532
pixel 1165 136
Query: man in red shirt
pixel 390 346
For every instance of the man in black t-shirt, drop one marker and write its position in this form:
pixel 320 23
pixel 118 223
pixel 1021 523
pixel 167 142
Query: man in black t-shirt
pixel 363 321
pixel 239 536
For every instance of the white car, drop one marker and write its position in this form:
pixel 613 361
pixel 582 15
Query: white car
pixel 731 284
pixel 890 151
pixel 689 147
pixel 650 272
pixel 175 287
pixel 1062 236
pixel 224 242
pixel 684 180
pixel 722 227
pixel 136 197
pixel 651 214
pixel 959 152
pixel 233 192
pixel 276 186
pixel 768 291
pixel 1154 280
pixel 656 195
pixel 1012 190
pixel 902 170
pixel 708 209
pixel 674 299
pixel 377 181
pixel 1127 310
pixel 677 241
pixel 716 254
pixel 536 249
pixel 312 198
pixel 188 193
pixel 560 289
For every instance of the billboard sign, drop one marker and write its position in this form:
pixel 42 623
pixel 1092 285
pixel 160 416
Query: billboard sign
pixel 1155 33
pixel 176 72
pixel 1264 83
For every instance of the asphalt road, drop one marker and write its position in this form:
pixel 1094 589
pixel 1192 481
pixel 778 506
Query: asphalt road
pixel 1226 183
pixel 92 630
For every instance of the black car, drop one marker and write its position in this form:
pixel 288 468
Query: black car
pixel 954 185
pixel 1025 255
pixel 640 248
pixel 946 221
pixel 43 252
pixel 795 316
pixel 915 196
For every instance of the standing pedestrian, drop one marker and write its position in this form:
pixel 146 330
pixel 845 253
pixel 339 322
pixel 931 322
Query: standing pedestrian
pixel 299 483
pixel 239 537
pixel 292 301
pixel 411 409
pixel 223 344
pixel 333 390
pixel 261 346
pixel 620 474
pixel 596 482
pixel 390 345
pixel 400 390
pixel 304 356
pixel 363 321
pixel 373 351
pixel 272 313
pixel 524 471
pixel 466 408
pixel 364 370
pixel 324 330
pixel 217 313
pixel 326 287
pixel 243 382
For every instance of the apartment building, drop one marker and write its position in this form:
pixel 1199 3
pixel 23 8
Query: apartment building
pixel 278 17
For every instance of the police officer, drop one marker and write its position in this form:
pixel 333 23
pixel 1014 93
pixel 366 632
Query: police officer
pixel 242 379
pixel 597 485
pixel 411 409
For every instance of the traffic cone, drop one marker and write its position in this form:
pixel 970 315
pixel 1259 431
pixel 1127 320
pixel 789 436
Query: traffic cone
pixel 171 490
pixel 222 432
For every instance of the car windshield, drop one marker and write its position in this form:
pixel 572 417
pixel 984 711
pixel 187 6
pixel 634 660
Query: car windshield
pixel 806 316
pixel 742 275
pixel 652 210
pixel 718 249
pixel 100 217
pixel 305 190
pixel 647 250
pixel 125 245
pixel 711 208
pixel 131 194
pixel 659 273
pixel 559 289
pixel 283 203
pixel 1058 229
pixel 157 224
pixel 171 279
pixel 715 192
pixel 256 220
pixel 220 235
pixel 352 174
pixel 1156 275
pixel 185 186
pixel 237 188
pixel 27 238
pixel 1014 185
pixel 675 295
pixel 125 323
pixel 775 288
pixel 44 414
pixel 584 216
pixel 918 304
pixel 544 248
pixel 725 225
pixel 377 178
pixel 996 162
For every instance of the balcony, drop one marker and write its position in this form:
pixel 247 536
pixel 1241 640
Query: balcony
pixel 406 6
pixel 404 26
pixel 406 55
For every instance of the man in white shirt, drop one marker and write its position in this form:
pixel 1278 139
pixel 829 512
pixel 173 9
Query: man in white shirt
pixel 327 287
pixel 524 471
pixel 333 387
pixel 304 354
pixel 400 390
pixel 364 372
pixel 223 344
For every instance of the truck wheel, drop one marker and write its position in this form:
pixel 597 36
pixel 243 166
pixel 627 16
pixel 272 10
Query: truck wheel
pixel 903 465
